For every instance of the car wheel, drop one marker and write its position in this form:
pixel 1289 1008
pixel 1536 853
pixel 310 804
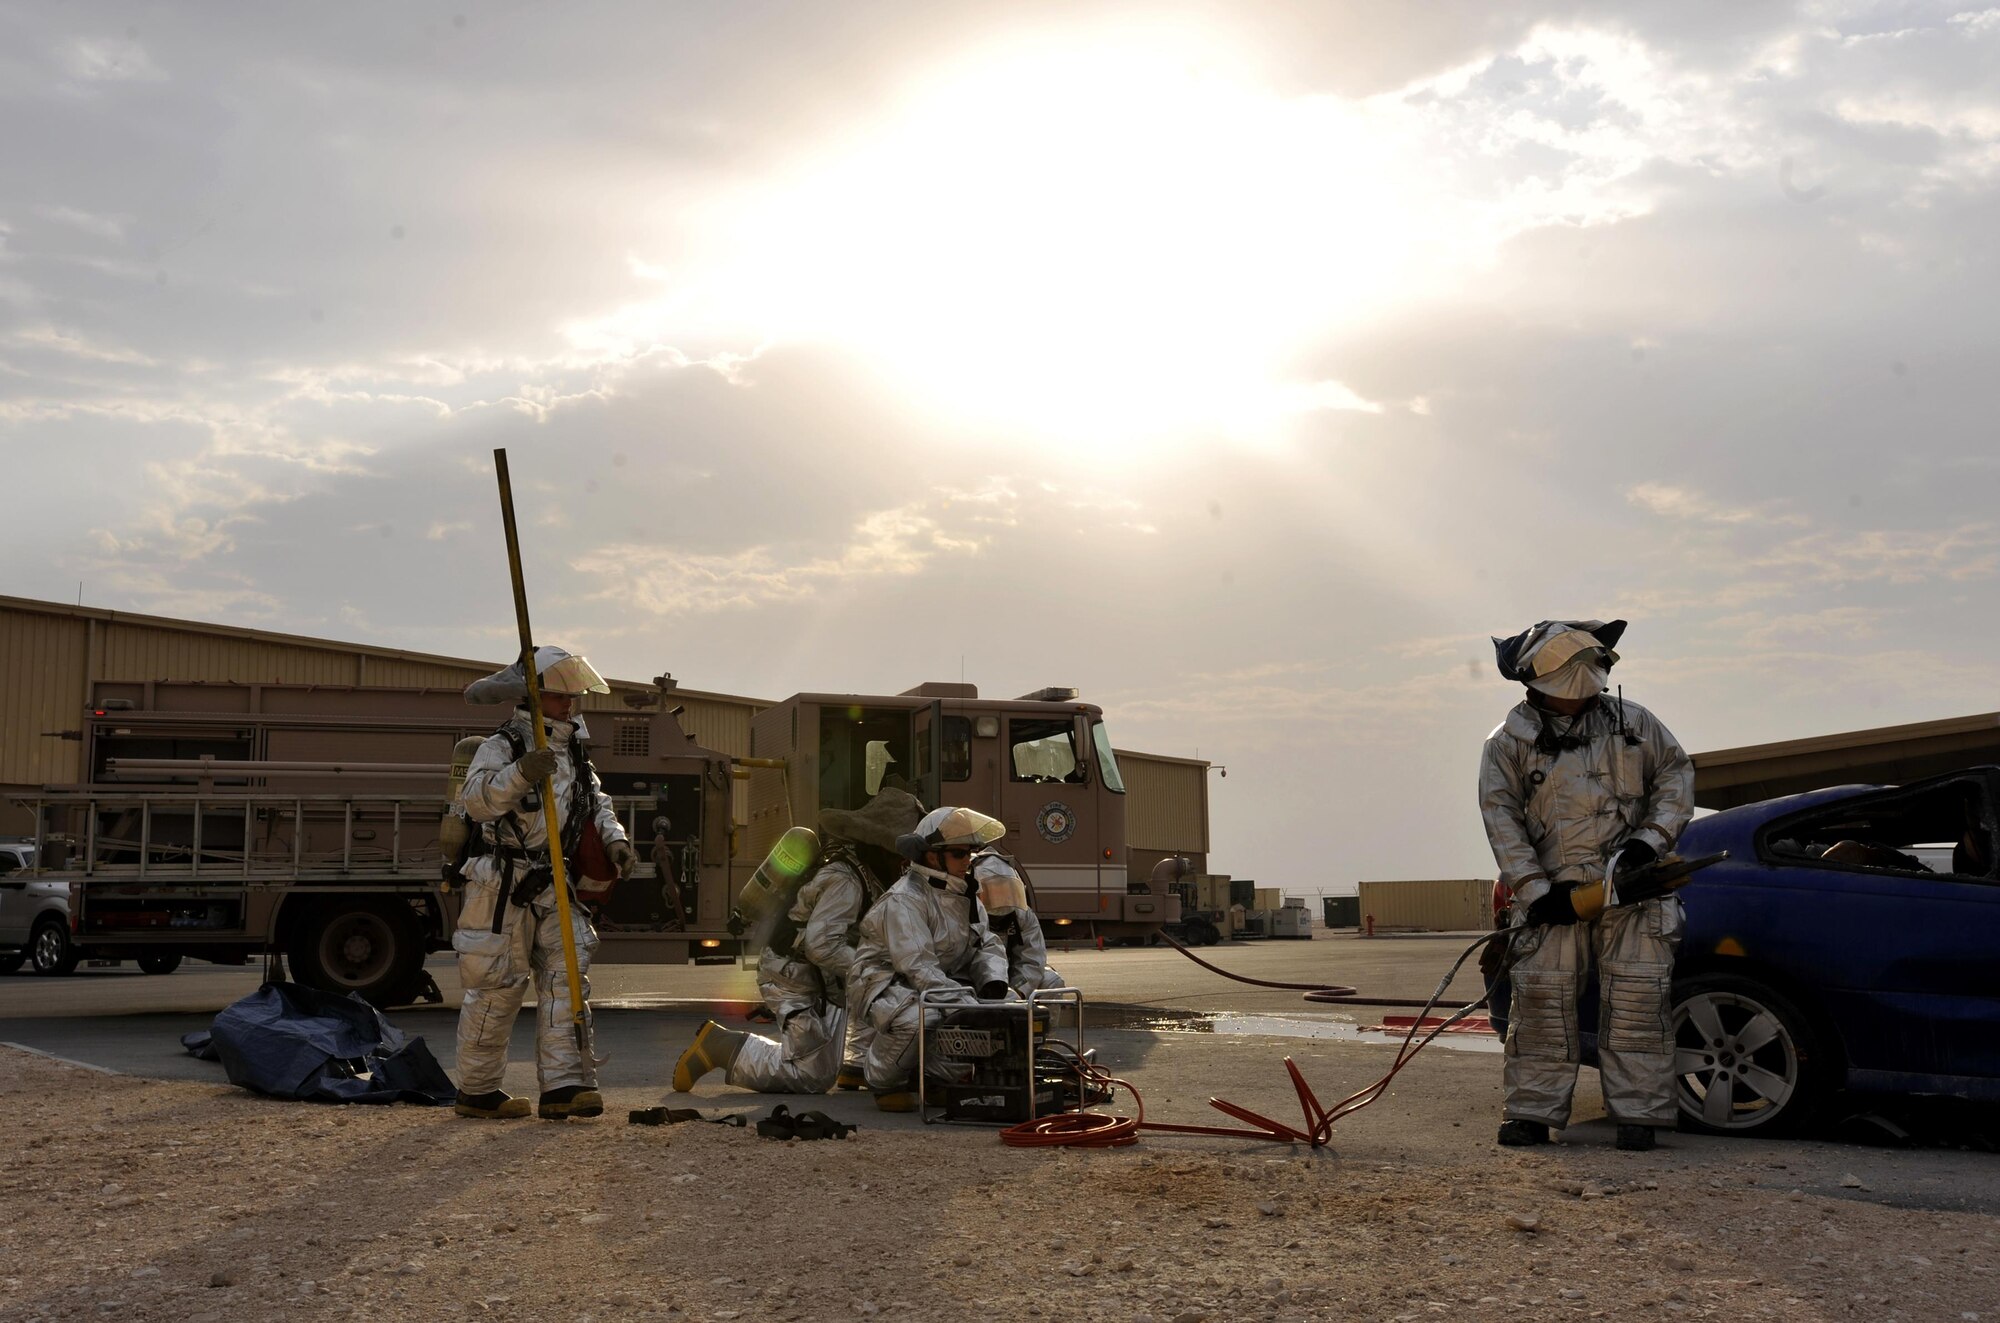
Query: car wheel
pixel 1746 1059
pixel 359 945
pixel 50 950
pixel 160 964
pixel 12 961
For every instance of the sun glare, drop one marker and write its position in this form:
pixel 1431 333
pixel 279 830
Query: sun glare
pixel 1101 246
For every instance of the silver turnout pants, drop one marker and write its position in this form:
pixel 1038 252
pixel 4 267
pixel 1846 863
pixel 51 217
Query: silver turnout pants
pixel 890 1058
pixel 1634 948
pixel 805 1056
pixel 495 970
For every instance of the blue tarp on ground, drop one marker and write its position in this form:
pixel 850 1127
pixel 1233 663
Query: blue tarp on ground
pixel 289 1041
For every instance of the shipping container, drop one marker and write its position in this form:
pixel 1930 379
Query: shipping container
pixel 1447 906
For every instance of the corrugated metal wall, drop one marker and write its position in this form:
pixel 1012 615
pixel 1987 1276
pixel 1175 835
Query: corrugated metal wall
pixel 42 664
pixel 719 725
pixel 1166 803
pixel 1452 906
pixel 137 652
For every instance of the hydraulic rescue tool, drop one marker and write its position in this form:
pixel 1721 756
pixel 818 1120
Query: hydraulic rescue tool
pixel 579 1019
pixel 1659 878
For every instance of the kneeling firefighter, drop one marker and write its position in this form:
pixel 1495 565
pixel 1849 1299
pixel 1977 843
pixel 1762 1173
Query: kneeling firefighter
pixel 808 959
pixel 1574 785
pixel 508 931
pixel 1005 896
pixel 928 933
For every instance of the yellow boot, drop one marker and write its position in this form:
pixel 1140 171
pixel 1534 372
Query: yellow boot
pixel 494 1106
pixel 901 1099
pixel 713 1048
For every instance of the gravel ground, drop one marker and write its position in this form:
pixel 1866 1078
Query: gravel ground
pixel 139 1199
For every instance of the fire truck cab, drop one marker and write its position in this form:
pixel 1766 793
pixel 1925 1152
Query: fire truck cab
pixel 1042 764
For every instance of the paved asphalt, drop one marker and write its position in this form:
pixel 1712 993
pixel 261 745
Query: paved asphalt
pixel 123 1020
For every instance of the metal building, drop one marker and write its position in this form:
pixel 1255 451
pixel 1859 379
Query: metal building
pixel 1166 810
pixel 51 654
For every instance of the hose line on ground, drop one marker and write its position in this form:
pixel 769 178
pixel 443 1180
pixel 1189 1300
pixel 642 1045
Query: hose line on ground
pixel 1100 1130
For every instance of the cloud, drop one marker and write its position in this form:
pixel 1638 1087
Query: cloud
pixel 1673 502
pixel 898 542
pixel 102 227
pixel 96 60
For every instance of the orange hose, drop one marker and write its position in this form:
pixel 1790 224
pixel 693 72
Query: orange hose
pixel 1080 1129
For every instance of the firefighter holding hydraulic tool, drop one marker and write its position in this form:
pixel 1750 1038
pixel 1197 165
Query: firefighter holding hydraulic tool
pixel 1578 787
pixel 509 930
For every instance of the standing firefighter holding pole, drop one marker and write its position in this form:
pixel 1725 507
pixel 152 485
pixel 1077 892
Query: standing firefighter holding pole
pixel 529 784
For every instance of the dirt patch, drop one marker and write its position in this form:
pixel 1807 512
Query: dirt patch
pixel 146 1200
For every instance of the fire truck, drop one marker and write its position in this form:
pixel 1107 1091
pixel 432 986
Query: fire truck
pixel 227 821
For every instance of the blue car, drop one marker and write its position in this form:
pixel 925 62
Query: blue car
pixel 1850 941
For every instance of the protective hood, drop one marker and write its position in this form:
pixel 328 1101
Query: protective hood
pixel 1550 645
pixel 879 822
pixel 559 670
pixel 1001 889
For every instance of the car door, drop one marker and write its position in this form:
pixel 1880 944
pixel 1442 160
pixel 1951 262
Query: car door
pixel 1903 958
pixel 13 900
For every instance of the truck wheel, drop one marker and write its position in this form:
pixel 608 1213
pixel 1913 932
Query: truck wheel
pixel 360 944
pixel 51 950
pixel 160 964
pixel 12 961
pixel 1203 933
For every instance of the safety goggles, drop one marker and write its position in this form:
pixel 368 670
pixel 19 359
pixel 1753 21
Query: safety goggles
pixel 955 851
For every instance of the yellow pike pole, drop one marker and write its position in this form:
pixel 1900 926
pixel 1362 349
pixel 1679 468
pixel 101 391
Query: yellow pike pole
pixel 578 1019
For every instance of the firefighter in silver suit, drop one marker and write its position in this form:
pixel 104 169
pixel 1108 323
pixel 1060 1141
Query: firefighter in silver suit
pixel 808 958
pixel 1576 783
pixel 508 931
pixel 1004 894
pixel 928 933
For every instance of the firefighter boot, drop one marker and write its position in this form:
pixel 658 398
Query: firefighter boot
pixel 902 1098
pixel 494 1106
pixel 850 1077
pixel 1523 1134
pixel 1635 1138
pixel 570 1100
pixel 713 1048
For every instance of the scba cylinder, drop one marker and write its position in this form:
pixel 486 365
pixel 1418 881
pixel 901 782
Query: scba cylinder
pixel 770 889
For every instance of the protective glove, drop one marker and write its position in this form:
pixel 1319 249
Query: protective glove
pixel 993 991
pixel 623 857
pixel 1553 908
pixel 1634 855
pixel 537 765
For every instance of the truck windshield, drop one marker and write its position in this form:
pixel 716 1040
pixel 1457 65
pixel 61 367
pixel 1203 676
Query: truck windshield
pixel 1043 751
pixel 1107 761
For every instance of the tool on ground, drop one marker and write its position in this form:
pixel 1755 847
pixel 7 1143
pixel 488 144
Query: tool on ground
pixel 579 1019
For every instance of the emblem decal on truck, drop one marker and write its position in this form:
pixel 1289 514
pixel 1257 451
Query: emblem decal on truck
pixel 1055 822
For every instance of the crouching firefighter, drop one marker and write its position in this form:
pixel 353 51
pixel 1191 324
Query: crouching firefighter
pixel 928 933
pixel 1576 784
pixel 508 931
pixel 1004 894
pixel 808 959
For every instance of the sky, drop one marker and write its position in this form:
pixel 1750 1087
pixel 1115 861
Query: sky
pixel 1245 366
